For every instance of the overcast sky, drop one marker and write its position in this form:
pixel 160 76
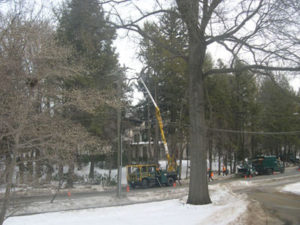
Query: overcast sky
pixel 127 46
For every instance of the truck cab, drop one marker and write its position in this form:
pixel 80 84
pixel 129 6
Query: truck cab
pixel 148 175
pixel 246 169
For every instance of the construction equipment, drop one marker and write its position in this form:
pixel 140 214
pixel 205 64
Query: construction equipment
pixel 147 175
pixel 172 165
pixel 246 169
pixel 267 164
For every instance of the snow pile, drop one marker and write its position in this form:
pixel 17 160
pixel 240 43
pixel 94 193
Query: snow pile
pixel 241 183
pixel 292 188
pixel 226 208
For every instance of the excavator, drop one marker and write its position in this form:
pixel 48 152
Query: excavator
pixel 147 175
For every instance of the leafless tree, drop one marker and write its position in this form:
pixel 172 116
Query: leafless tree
pixel 263 34
pixel 34 122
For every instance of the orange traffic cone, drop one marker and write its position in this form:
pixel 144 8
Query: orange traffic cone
pixel 127 188
pixel 174 184
pixel 69 194
pixel 245 177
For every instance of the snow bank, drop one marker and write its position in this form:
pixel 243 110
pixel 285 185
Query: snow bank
pixel 292 188
pixel 226 208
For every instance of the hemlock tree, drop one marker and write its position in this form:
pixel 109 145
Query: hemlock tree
pixel 168 77
pixel 279 114
pixel 244 94
pixel 264 35
pixel 84 27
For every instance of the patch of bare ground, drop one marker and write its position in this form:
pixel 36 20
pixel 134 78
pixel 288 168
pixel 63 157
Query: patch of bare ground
pixel 256 215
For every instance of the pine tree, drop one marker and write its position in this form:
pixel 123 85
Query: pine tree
pixel 84 26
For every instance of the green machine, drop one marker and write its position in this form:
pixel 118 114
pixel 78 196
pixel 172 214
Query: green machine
pixel 267 164
pixel 246 169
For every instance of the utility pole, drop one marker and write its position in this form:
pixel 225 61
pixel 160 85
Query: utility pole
pixel 149 130
pixel 119 189
pixel 156 144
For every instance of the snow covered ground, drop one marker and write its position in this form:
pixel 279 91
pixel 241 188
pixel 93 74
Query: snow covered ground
pixel 227 208
pixel 292 188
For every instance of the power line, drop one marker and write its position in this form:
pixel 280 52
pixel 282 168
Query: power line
pixel 234 131
pixel 254 132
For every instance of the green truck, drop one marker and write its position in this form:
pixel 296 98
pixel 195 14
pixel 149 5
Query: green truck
pixel 267 164
pixel 149 175
pixel 246 169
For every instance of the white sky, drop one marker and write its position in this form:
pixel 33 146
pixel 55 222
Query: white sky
pixel 127 46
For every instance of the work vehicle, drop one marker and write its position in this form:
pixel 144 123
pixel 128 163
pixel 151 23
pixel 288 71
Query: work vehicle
pixel 149 175
pixel 267 164
pixel 246 169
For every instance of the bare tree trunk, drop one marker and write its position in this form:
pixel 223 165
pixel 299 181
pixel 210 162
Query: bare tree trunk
pixel 234 162
pixel 49 171
pixel 210 149
pixel 92 167
pixel 70 178
pixel 219 160
pixel 198 187
pixel 60 171
pixel 38 166
pixel 30 167
pixel 187 160
pixel 230 160
pixel 180 157
pixel 21 169
pixel 110 167
pixel 226 161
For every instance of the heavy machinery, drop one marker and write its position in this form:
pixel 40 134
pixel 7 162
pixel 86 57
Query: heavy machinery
pixel 246 169
pixel 150 174
pixel 267 164
pixel 261 165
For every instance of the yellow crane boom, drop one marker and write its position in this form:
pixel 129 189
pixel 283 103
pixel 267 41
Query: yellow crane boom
pixel 171 162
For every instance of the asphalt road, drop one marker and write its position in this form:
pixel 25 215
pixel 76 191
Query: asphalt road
pixel 274 207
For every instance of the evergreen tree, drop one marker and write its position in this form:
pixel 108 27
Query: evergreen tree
pixel 279 115
pixel 244 94
pixel 167 78
pixel 84 26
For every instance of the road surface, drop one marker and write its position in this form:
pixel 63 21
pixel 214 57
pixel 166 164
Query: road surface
pixel 278 207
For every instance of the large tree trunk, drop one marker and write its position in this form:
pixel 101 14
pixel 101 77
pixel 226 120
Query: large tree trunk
pixel 198 187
